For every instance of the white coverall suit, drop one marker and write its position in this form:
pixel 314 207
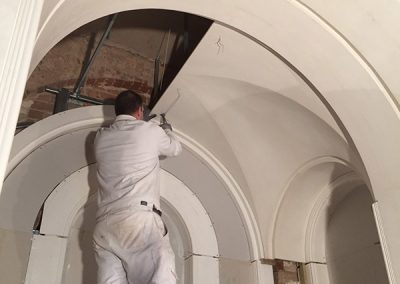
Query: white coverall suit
pixel 130 239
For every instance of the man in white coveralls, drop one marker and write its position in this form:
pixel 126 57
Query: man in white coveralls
pixel 130 239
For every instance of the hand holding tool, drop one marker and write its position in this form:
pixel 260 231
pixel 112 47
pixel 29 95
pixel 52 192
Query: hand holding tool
pixel 164 124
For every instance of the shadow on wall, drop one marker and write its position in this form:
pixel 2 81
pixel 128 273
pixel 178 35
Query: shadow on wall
pixel 89 266
pixel 80 265
pixel 353 250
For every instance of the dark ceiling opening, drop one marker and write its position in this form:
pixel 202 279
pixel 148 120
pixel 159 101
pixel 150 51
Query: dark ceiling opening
pixel 142 50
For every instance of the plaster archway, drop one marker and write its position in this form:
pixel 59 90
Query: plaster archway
pixel 52 158
pixel 308 194
pixel 333 231
pixel 68 221
pixel 267 25
pixel 337 70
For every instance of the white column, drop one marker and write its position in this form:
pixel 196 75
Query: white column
pixel 18 29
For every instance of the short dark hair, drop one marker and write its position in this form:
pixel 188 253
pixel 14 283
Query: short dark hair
pixel 127 102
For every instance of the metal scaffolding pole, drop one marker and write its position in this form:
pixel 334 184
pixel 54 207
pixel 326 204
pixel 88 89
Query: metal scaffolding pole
pixel 105 35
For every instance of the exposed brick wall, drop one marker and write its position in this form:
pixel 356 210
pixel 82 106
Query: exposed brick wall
pixel 41 107
pixel 115 68
pixel 121 63
pixel 285 272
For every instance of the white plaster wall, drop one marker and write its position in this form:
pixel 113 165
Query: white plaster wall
pixel 295 235
pixel 49 164
pixel 15 247
pixel 342 79
pixel 18 28
pixel 350 84
pixel 79 264
pixel 261 131
pixel 354 254
pixel 373 29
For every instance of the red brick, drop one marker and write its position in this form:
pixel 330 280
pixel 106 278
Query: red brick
pixel 39 105
pixel 90 81
pixel 96 82
pixel 278 265
pixel 35 114
pixel 109 82
pixel 69 82
pixel 284 277
pixel 136 85
pixel 118 82
pixel 62 65
pixel 289 266
pixel 90 92
pixel 125 84
pixel 46 98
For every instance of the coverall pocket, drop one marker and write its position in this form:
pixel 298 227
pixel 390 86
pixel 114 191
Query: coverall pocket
pixel 160 226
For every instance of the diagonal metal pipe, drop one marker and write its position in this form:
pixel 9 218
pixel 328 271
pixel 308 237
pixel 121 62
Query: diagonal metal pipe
pixel 105 35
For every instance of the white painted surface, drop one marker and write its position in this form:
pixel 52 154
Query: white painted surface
pixel 384 245
pixel 18 28
pixel 345 80
pixel 380 43
pixel 237 271
pixel 293 232
pixel 15 247
pixel 204 263
pixel 324 207
pixel 70 199
pixel 65 201
pixel 70 196
pixel 46 260
pixel 265 273
pixel 342 78
pixel 353 250
pixel 198 223
pixel 29 184
pixel 198 199
pixel 316 273
pixel 217 200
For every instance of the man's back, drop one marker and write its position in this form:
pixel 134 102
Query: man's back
pixel 130 239
pixel 127 162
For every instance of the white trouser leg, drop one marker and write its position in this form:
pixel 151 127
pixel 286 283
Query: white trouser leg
pixel 110 269
pixel 164 259
pixel 134 241
pixel 156 263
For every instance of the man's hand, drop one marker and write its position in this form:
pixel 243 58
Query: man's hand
pixel 164 123
pixel 166 126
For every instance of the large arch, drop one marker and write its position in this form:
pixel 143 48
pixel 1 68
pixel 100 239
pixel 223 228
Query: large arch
pixel 348 79
pixel 325 221
pixel 67 224
pixel 308 191
pixel 267 23
pixel 52 164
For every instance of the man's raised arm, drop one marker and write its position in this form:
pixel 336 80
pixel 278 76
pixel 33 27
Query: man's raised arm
pixel 169 144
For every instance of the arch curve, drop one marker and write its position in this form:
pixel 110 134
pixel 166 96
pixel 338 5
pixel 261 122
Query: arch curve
pixel 46 170
pixel 300 226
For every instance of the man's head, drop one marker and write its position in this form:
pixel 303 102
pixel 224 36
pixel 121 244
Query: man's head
pixel 129 102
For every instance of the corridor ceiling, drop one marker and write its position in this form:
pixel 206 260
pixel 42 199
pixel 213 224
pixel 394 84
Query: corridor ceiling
pixel 289 100
pixel 279 84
